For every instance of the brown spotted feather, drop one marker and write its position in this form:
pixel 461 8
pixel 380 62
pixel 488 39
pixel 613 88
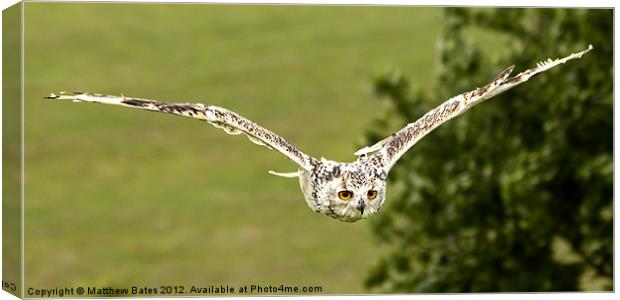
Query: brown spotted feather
pixel 396 145
pixel 220 117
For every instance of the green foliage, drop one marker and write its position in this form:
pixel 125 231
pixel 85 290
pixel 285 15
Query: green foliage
pixel 515 195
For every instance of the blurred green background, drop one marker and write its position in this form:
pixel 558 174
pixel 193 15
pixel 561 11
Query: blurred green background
pixel 118 197
pixel 122 197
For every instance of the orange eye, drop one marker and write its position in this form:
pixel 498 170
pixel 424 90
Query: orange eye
pixel 372 194
pixel 345 195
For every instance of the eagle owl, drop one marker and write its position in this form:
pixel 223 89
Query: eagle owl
pixel 344 191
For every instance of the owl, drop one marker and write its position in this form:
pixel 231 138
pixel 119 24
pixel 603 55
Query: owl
pixel 344 191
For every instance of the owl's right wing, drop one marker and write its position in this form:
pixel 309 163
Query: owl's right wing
pixel 394 146
pixel 219 117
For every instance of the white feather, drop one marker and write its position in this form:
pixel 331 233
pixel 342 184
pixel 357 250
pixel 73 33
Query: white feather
pixel 287 175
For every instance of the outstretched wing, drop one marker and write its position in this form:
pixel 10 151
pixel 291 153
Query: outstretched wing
pixel 393 147
pixel 219 117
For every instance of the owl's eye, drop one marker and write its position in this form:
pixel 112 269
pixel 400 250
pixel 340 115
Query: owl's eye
pixel 372 194
pixel 345 195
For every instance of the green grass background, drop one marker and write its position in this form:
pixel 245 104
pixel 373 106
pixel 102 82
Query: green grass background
pixel 122 197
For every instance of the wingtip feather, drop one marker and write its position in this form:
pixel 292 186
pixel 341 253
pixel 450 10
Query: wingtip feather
pixel 504 74
pixel 60 96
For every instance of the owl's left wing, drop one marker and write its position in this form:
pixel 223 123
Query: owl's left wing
pixel 393 147
pixel 219 117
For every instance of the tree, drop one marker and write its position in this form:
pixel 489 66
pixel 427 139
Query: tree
pixel 516 194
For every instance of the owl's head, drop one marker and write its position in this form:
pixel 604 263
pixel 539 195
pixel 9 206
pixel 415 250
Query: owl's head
pixel 347 192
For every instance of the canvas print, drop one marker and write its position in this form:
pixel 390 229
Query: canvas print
pixel 401 149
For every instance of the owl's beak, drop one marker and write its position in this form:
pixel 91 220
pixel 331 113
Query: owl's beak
pixel 361 207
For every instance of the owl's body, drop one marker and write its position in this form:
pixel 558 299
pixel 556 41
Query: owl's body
pixel 344 191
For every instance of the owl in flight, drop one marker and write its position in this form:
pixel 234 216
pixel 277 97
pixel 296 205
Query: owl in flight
pixel 344 191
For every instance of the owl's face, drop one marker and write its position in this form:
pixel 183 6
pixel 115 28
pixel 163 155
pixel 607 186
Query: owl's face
pixel 347 192
pixel 350 202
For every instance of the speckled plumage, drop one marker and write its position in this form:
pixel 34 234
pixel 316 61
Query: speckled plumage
pixel 344 191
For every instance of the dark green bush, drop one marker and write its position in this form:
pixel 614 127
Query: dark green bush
pixel 516 194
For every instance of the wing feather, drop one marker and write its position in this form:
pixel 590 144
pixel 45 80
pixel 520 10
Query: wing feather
pixel 219 117
pixel 393 147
